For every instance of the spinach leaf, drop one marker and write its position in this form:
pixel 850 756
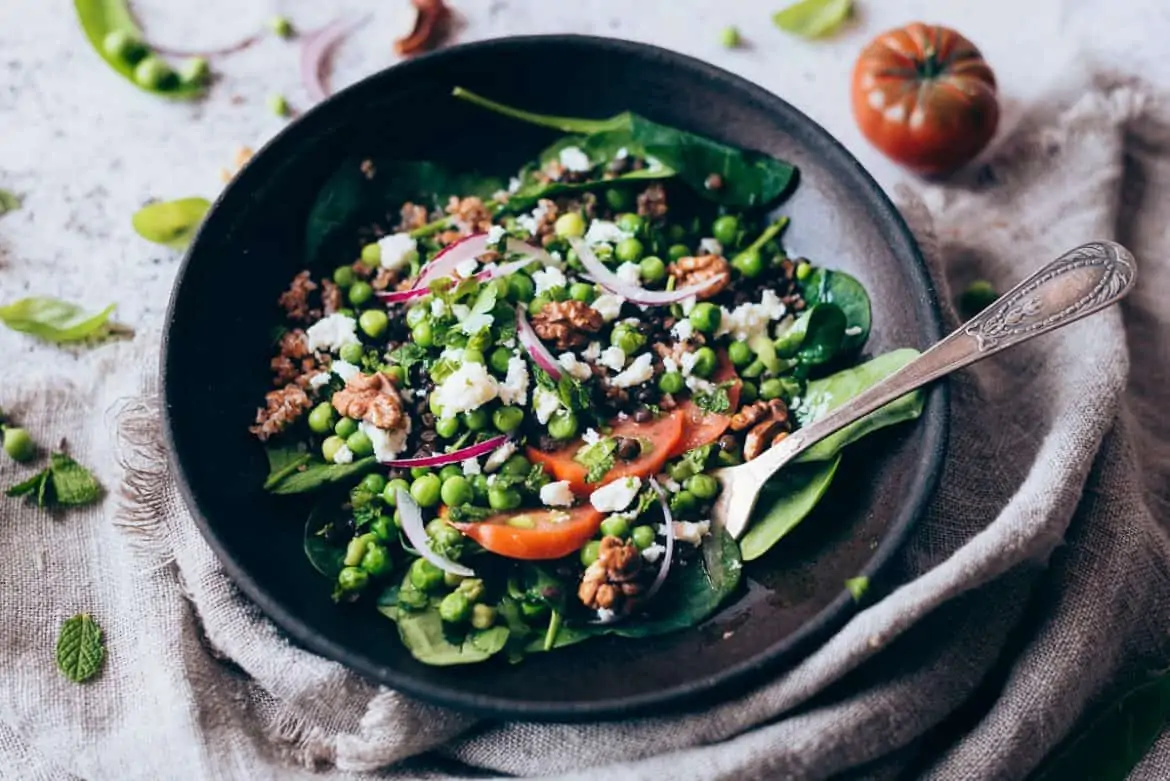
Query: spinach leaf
pixel 422 632
pixel 784 502
pixel 349 199
pixel 815 337
pixel 749 178
pixel 106 20
pixel 284 462
pixel 53 320
pixel 170 223
pixel 827 393
pixel 326 557
pixel 565 636
pixel 1113 744
pixel 80 650
pixel 813 18
pixel 289 477
pixel 837 287
pixel 9 202
pixel 527 196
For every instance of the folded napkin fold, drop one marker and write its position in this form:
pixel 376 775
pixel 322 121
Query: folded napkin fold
pixel 1037 586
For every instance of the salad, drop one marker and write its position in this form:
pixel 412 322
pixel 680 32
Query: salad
pixel 507 399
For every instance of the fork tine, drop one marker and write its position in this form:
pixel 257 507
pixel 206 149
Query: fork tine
pixel 733 508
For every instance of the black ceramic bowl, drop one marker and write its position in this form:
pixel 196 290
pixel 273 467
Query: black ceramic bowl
pixel 218 344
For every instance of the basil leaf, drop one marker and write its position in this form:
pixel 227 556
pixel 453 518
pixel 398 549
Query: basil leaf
pixel 813 18
pixel 171 223
pixel 837 287
pixel 785 501
pixel 80 651
pixel 318 474
pixel 53 320
pixel 9 202
pixel 73 485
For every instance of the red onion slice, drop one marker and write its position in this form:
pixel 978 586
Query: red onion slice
pixel 491 272
pixel 471 247
pixel 315 48
pixel 399 296
pixel 412 526
pixel 441 459
pixel 668 555
pixel 540 354
pixel 638 295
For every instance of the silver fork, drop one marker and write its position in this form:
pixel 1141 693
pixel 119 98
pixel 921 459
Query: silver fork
pixel 1075 285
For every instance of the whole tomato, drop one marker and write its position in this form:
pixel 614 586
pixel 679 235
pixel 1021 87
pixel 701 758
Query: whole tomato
pixel 924 95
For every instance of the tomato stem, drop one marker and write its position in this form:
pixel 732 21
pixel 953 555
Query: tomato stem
pixel 929 66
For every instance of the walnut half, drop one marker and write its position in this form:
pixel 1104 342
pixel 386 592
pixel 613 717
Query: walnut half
pixel 699 269
pixel 611 582
pixel 567 323
pixel 370 397
pixel 768 421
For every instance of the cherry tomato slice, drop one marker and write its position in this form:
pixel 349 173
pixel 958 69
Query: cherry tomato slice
pixel 702 427
pixel 547 533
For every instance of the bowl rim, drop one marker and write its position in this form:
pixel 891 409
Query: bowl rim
pixel 718 686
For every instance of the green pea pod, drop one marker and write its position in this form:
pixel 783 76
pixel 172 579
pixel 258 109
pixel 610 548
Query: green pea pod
pixel 110 22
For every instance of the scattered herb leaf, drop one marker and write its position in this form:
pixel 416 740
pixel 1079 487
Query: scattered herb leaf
pixel 813 18
pixel 468 512
pixel 598 458
pixel 53 320
pixel 715 400
pixel 63 483
pixel 979 295
pixel 170 223
pixel 80 651
pixel 9 202
pixel 857 587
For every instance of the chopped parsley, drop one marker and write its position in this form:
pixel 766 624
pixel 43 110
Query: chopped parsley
pixel 715 400
pixel 467 512
pixel 598 458
pixel 408 355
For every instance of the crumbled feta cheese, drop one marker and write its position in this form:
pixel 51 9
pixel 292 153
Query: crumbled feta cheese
pixel 514 184
pixel 683 330
pixel 621 154
pixel 467 268
pixel 630 273
pixel 468 387
pixel 616 496
pixel 853 330
pixel 461 311
pixel 592 352
pixel 319 380
pixel 526 222
pixel 654 552
pixel 603 232
pixel 669 483
pixel 510 342
pixel 387 444
pixel 499 456
pixel 638 372
pixel 668 364
pixel 471 467
pixel 576 369
pixel 688 304
pixel 691 531
pixel 556 255
pixel 591 437
pixel 613 358
pixel 608 306
pixel 688 361
pixel 573 159
pixel 331 333
pixel 710 246
pixel 699 385
pixel 749 320
pixel 545 403
pixel 556 494
pixel 548 278
pixel 397 250
pixel 605 615
pixel 495 233
pixel 343 455
pixel 344 369
pixel 514 388
pixel 540 212
pixel 473 324
pixel 438 307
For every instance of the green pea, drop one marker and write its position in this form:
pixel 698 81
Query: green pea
pixel 374 483
pixel 121 45
pixel 677 251
pixel 748 392
pixel 320 418
pixel 343 276
pixel 351 353
pixel 396 375
pixel 538 303
pixel 360 292
pixel 455 608
pixel 628 250
pixel 740 354
pixel 630 222
pixel 195 71
pixel 19 445
pixel 425 490
pixel 680 471
pixel 725 229
pixel 450 470
pixel 390 492
pixel 447 428
pixel 471 355
pixel 281 26
pixel 590 552
pixel 376 562
pixel 372 255
pixel 476 419
pixel 558 293
pixel 356 549
pixel 643 537
pixel 671 382
pixel 508 419
pixel 330 447
pixel 346 312
pixel 705 362
pixel 582 291
pixel 457 491
pixel 652 269
pixel 569 225
pixel 749 263
pixel 516 466
pixel 433 404
pixel 374 323
pixel 803 269
pixel 626 338
pixel 479 484
pixel 383 528
pixel 729 38
pixel 483 616
pixel 753 369
pixel 423 335
pixel 278 105
pixel 706 317
pixel 352 579
pixel 615 526
pixel 418 471
pixel 562 425
pixel 683 503
pixel 152 72
pixel 500 498
pixel 451 580
pixel 416 314
pixel 345 427
pixel 499 360
pixel 359 442
pixel 521 288
pixel 618 199
pixel 425 576
pixel 472 588
pixel 771 389
pixel 443 535
pixel 702 486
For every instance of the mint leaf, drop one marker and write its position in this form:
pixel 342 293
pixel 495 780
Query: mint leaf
pixel 170 223
pixel 80 651
pixel 715 400
pixel 34 485
pixel 53 320
pixel 573 394
pixel 598 458
pixel 73 485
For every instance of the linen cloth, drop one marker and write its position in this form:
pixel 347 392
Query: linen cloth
pixel 1036 588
